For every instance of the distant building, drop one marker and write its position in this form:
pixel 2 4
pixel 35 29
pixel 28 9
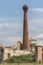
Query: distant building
pixel 17 49
pixel 18 46
pixel 32 44
pixel 1 53
pixel 39 53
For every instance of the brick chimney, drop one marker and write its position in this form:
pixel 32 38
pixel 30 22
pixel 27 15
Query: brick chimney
pixel 25 29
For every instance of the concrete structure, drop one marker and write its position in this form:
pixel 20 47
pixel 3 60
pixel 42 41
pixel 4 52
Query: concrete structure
pixel 18 46
pixel 25 29
pixel 15 50
pixel 39 53
pixel 8 52
pixel 1 53
pixel 32 44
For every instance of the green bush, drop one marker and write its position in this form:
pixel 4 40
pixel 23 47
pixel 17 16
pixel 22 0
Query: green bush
pixel 29 58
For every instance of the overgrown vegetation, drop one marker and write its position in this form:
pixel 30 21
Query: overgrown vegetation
pixel 23 58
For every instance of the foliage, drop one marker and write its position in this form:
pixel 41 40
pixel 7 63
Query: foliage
pixel 23 58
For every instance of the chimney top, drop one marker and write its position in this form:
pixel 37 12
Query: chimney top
pixel 25 7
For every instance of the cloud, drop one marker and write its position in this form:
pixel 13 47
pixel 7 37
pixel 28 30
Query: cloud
pixel 8 29
pixel 39 43
pixel 39 39
pixel 7 25
pixel 6 19
pixel 10 20
pixel 36 30
pixel 39 36
pixel 36 26
pixel 10 40
pixel 37 9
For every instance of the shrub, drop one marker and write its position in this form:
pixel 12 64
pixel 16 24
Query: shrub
pixel 29 58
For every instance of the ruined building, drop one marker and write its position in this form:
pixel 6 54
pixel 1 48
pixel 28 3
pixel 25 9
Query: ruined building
pixel 27 47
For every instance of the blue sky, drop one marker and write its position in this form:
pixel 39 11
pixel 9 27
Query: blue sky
pixel 11 20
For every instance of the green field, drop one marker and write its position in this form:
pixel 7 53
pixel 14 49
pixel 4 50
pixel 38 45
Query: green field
pixel 21 64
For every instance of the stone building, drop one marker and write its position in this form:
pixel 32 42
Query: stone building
pixel 18 46
pixel 6 52
pixel 39 53
pixel 32 44
pixel 15 50
pixel 1 53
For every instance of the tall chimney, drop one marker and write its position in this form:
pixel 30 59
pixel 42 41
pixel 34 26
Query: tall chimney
pixel 25 29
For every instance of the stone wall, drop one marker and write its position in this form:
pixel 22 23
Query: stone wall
pixel 39 53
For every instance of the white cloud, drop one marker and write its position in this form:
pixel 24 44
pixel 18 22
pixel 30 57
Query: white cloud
pixel 36 26
pixel 37 20
pixel 39 39
pixel 40 43
pixel 39 36
pixel 10 40
pixel 37 9
pixel 6 19
pixel 13 39
pixel 7 25
pixel 36 30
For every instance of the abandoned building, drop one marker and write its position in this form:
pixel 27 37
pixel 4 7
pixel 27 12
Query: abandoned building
pixel 6 52
pixel 27 47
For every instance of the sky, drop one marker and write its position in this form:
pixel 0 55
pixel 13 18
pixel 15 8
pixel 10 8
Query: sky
pixel 11 20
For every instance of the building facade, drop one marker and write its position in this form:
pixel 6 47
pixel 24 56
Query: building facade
pixel 39 53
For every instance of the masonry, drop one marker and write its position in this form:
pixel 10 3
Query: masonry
pixel 25 29
pixel 39 53
pixel 16 50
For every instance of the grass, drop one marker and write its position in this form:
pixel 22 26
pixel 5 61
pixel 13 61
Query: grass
pixel 21 64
